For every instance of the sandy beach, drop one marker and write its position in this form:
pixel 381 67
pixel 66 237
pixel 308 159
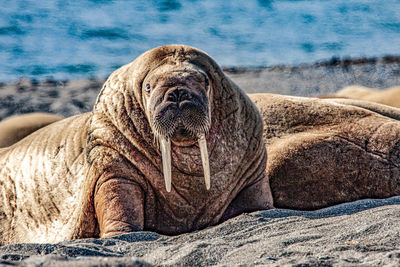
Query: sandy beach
pixel 361 233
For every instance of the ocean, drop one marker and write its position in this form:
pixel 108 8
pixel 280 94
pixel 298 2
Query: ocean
pixel 91 38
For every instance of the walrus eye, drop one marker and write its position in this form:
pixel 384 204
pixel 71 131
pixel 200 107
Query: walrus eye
pixel 148 87
pixel 207 83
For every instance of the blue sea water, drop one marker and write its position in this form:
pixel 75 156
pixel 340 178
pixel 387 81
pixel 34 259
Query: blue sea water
pixel 90 38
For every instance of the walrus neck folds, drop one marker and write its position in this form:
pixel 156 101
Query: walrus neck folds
pixel 165 145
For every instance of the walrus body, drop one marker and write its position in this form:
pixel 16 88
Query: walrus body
pixel 17 127
pixel 44 191
pixel 100 174
pixel 389 96
pixel 330 151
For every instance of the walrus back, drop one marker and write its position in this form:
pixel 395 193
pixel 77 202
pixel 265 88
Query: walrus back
pixel 388 96
pixel 15 128
pixel 323 152
pixel 41 181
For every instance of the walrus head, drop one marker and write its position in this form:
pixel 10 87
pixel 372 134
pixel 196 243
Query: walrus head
pixel 176 99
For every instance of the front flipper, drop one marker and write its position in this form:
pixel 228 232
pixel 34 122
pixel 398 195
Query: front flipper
pixel 256 196
pixel 119 207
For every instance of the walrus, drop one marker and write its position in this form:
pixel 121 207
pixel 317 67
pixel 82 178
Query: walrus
pixel 172 145
pixel 389 96
pixel 323 152
pixel 17 127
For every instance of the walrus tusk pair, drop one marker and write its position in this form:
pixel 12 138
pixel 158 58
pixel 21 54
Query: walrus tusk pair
pixel 165 144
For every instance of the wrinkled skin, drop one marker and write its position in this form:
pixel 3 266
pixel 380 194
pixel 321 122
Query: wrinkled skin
pixel 100 174
pixel 325 152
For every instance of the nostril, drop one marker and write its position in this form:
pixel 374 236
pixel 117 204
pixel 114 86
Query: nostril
pixel 172 96
pixel 183 95
pixel 178 95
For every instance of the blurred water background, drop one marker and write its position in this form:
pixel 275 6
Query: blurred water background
pixel 91 38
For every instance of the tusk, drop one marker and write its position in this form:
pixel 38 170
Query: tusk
pixel 204 160
pixel 165 144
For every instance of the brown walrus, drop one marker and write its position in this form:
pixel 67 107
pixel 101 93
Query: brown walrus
pixel 142 160
pixel 17 127
pixel 389 96
pixel 323 152
pixel 101 173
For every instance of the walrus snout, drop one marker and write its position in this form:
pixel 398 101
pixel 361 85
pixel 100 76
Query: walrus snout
pixel 177 102
pixel 178 95
pixel 181 122
pixel 184 120
pixel 182 114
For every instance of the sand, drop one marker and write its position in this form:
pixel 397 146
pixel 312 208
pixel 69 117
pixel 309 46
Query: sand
pixel 361 233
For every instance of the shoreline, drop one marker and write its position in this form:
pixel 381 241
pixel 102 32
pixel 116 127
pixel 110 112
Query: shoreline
pixel 71 97
pixel 233 70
